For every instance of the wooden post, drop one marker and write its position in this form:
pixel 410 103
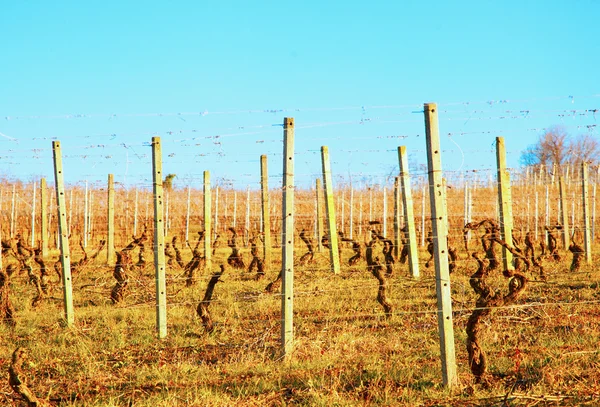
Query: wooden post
pixel 423 218
pixel 247 222
pixel 110 237
pixel 397 232
pixel 135 213
pixel 586 213
pixel 594 213
pixel 330 208
pixel 216 214
pixel 44 213
pixel 351 216
pixel 266 215
pixel 159 239
pixel 413 251
pixel 287 239
pixel 207 225
pixel 504 202
pixel 385 215
pixel 85 215
pixel 564 213
pixel 440 246
pixel 65 255
pixel 319 204
pixel 13 209
pixel 33 216
pixel 360 214
pixel 187 215
pixel 234 208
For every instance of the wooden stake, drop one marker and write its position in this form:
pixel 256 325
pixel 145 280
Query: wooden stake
pixel 33 216
pixel 65 255
pixel 216 215
pixel 319 205
pixel 110 236
pixel 287 240
pixel 13 209
pixel 187 215
pixel 159 239
pixel 385 214
pixel 440 247
pixel 85 216
pixel 413 251
pixel 351 216
pixel 44 214
pixel 135 213
pixel 266 215
pixel 397 240
pixel 504 202
pixel 586 213
pixel 207 225
pixel 564 215
pixel 330 208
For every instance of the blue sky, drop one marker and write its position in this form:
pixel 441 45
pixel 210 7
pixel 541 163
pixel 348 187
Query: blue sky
pixel 215 79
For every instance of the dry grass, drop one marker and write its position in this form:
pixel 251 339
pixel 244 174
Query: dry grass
pixel 541 352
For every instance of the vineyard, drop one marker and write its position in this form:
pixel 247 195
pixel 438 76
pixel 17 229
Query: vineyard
pixel 426 288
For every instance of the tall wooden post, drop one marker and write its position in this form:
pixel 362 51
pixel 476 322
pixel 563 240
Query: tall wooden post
pixel 207 225
pixel 409 216
pixel 159 239
pixel 135 213
pixel 586 213
pixel 440 246
pixel 110 238
pixel 287 239
pixel 187 214
pixel 397 232
pixel 385 214
pixel 63 229
pixel 33 215
pixel 13 210
pixel 330 208
pixel 247 221
pixel 85 215
pixel 44 213
pixel 215 224
pixel 266 215
pixel 351 217
pixel 504 202
pixel 319 204
pixel 564 213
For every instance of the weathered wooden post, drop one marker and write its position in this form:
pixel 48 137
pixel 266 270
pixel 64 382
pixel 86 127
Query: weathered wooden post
pixel 330 207
pixel 564 213
pixel 319 205
pixel 44 213
pixel 207 222
pixel 413 251
pixel 13 210
pixel 159 239
pixel 385 215
pixel 287 240
pixel 586 213
pixel 440 246
pixel 85 215
pixel 33 215
pixel 397 231
pixel 110 238
pixel 504 202
pixel 266 214
pixel 65 255
pixel 187 214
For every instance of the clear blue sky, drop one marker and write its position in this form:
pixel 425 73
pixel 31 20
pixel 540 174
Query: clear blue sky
pixel 188 71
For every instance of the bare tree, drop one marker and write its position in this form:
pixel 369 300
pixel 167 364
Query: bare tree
pixel 556 147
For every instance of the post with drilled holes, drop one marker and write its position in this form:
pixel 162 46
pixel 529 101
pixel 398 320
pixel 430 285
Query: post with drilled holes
pixel 110 236
pixel 287 239
pixel 397 237
pixel 159 239
pixel 266 214
pixel 440 246
pixel 586 213
pixel 564 213
pixel 319 204
pixel 207 223
pixel 63 230
pixel 44 214
pixel 330 208
pixel 413 251
pixel 504 202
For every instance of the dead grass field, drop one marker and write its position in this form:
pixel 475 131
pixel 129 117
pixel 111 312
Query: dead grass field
pixel 542 351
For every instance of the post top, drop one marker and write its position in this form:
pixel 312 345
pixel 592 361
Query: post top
pixel 288 121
